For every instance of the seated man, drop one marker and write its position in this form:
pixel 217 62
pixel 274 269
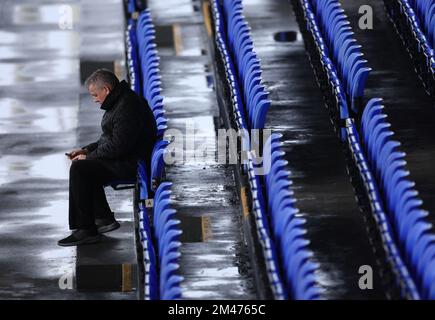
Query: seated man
pixel 129 133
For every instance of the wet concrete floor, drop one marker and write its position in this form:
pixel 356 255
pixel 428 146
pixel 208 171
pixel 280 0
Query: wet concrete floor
pixel 322 187
pixel 41 117
pixel 217 267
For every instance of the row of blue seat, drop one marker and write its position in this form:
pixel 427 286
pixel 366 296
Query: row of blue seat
pixel 394 185
pixel 288 229
pixel 167 233
pixel 415 23
pixel 161 247
pixel 150 72
pixel 132 58
pixel 151 283
pixel 146 82
pixel 264 234
pixel 262 226
pixel 342 48
pixel 247 90
pixel 324 68
pixel 404 281
pixel 415 235
pixel 247 64
pixel 236 98
pixel 425 12
pixel 159 231
pixel 346 56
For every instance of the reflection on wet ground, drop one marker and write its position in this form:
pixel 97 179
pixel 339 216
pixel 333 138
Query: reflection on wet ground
pixel 40 48
pixel 16 117
pixel 14 168
pixel 36 13
pixel 37 71
pixel 38 45
pixel 214 268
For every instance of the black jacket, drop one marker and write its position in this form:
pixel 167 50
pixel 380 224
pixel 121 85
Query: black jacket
pixel 129 131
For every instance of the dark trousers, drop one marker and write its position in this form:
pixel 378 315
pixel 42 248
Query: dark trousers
pixel 87 200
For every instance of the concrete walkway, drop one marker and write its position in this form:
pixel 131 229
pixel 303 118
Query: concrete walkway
pixel 214 262
pixel 42 116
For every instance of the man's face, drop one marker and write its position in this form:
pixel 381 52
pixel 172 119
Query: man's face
pixel 97 93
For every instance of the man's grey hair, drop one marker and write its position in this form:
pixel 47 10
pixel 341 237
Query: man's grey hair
pixel 102 77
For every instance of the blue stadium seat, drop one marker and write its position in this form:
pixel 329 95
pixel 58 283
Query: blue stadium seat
pixel 157 167
pixel 164 229
pixel 170 257
pixel 172 290
pixel 172 294
pixel 287 221
pixel 170 236
pixel 163 217
pixel 169 250
pixel 167 271
pixel 164 186
pixel 425 242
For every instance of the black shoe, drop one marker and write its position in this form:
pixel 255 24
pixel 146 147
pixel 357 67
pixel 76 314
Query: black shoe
pixel 107 225
pixel 79 237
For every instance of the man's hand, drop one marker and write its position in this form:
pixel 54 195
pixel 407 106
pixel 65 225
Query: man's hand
pixel 73 154
pixel 79 157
